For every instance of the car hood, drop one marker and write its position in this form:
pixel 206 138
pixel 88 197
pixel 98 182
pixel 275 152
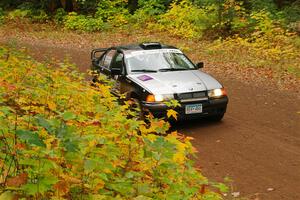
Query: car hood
pixel 175 81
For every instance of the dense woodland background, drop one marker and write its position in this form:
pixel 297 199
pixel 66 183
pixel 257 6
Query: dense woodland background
pixel 251 33
pixel 221 17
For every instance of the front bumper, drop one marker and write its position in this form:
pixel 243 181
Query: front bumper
pixel 210 107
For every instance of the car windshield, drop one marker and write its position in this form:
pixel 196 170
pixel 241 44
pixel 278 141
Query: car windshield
pixel 158 60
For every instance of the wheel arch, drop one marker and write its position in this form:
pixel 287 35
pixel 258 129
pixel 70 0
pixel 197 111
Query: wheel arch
pixel 133 94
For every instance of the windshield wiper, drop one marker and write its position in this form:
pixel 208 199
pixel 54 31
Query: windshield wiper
pixel 143 70
pixel 172 69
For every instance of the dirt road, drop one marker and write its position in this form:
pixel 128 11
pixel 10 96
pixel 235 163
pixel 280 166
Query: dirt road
pixel 257 144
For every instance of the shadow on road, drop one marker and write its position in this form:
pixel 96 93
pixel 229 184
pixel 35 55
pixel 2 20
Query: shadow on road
pixel 183 126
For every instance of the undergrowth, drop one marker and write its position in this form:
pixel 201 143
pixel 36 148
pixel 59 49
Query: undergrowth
pixel 61 138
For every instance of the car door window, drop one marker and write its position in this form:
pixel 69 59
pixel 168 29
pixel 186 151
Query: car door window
pixel 106 61
pixel 118 62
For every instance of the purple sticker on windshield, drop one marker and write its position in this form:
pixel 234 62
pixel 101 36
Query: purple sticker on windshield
pixel 145 78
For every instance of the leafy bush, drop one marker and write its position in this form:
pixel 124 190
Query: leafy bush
pixel 18 14
pixel 292 13
pixel 73 21
pixel 277 50
pixel 64 139
pixel 186 20
pixel 148 13
pixel 267 5
pixel 291 17
pixel 1 16
pixel 114 12
pixel 141 19
pixel 59 16
pixel 38 16
pixel 34 15
pixel 153 7
pixel 87 7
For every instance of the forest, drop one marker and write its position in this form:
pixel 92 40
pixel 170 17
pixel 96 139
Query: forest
pixel 61 138
pixel 220 17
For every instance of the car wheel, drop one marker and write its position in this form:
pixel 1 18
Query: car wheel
pixel 216 118
pixel 135 106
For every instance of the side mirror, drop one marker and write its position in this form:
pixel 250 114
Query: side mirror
pixel 116 71
pixel 199 65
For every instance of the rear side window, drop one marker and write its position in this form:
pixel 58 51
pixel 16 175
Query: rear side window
pixel 108 58
pixel 118 61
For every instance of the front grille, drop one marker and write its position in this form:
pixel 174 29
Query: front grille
pixel 191 95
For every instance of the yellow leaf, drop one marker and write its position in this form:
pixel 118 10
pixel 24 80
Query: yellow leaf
pixel 179 158
pixel 7 196
pixel 43 133
pixel 143 129
pixel 71 179
pixel 92 143
pixel 48 142
pixel 152 137
pixel 174 133
pixel 237 7
pixel 100 185
pixel 106 170
pixel 181 147
pixel 172 113
pixel 51 105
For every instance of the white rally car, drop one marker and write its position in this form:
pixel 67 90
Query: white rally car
pixel 152 73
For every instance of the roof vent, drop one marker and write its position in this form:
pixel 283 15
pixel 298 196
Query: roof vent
pixel 151 45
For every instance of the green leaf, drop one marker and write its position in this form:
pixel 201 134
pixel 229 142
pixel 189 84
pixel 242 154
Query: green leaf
pixel 43 185
pixel 68 116
pixel 71 145
pixel 122 187
pixel 29 162
pixel 47 165
pixel 103 176
pixel 129 175
pixel 141 197
pixel 44 123
pixel 30 188
pixel 30 137
pixel 48 181
pixel 25 135
pixel 143 188
pixel 90 165
pixel 222 187
pixel 7 196
pixel 5 110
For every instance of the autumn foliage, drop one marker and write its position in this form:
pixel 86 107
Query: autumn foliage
pixel 61 138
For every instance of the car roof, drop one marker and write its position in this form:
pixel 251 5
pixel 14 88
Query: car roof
pixel 143 46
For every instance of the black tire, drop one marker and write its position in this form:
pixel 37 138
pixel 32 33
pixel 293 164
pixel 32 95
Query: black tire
pixel 216 118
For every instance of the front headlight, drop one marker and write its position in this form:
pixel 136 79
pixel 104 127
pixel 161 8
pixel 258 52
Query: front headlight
pixel 159 97
pixel 215 93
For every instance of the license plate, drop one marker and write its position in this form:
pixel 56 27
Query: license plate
pixel 193 108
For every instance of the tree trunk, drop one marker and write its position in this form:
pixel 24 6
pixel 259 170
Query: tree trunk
pixel 69 6
pixel 279 3
pixel 54 5
pixel 132 5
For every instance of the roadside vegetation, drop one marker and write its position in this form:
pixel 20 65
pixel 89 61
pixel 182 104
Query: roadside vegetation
pixel 250 33
pixel 64 139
